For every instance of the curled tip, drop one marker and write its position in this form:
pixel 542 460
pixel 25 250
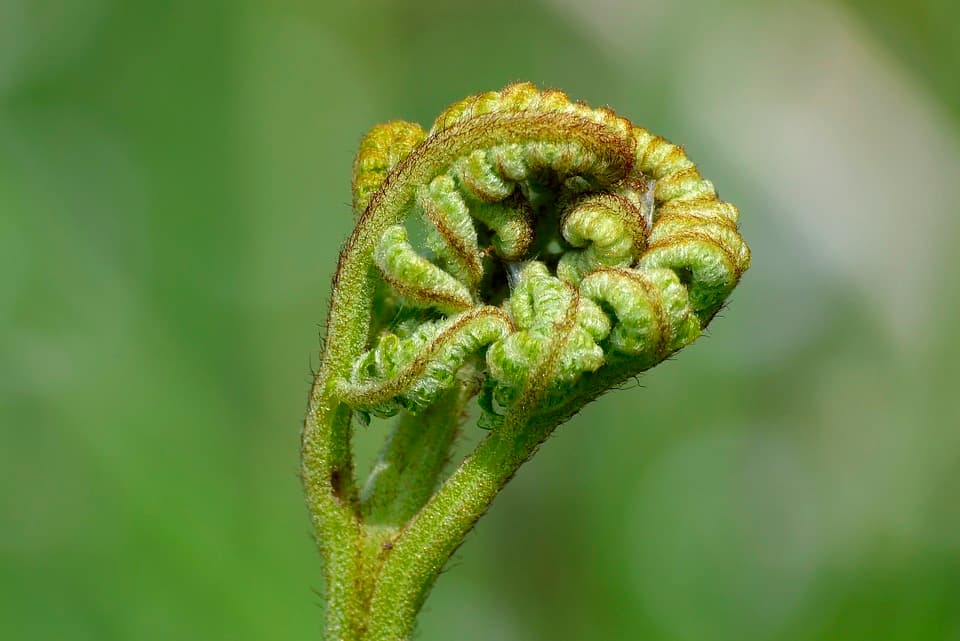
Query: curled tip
pixel 381 149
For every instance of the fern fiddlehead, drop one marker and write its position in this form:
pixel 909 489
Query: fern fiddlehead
pixel 526 249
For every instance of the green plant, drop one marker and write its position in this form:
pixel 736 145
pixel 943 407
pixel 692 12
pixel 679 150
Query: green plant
pixel 528 250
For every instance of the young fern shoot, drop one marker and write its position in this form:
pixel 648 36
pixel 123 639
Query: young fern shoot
pixel 561 251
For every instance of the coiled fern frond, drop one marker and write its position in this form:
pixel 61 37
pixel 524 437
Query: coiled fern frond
pixel 527 248
pixel 607 250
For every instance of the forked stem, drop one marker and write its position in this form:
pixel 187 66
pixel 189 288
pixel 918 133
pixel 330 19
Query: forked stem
pixel 432 537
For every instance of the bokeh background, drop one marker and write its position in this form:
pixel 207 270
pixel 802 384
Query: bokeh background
pixel 174 188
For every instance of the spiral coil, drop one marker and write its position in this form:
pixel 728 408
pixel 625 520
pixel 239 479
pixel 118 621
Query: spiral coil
pixel 540 262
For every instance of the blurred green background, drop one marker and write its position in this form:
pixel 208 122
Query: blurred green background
pixel 174 188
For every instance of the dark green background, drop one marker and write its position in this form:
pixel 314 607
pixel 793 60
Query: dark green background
pixel 174 188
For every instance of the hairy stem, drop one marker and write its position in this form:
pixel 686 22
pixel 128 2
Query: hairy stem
pixel 327 477
pixel 405 475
